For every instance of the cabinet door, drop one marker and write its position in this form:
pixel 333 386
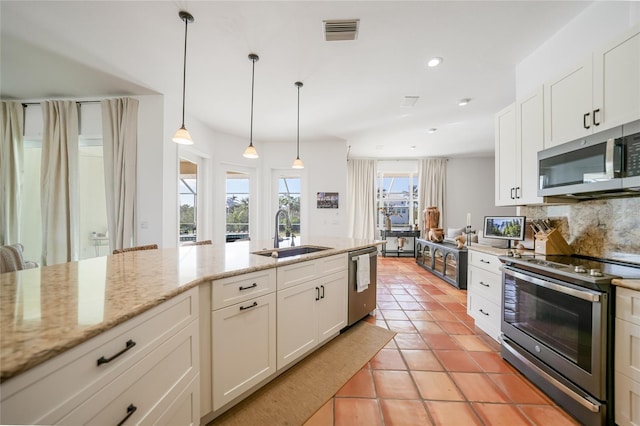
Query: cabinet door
pixel 297 327
pixel 244 347
pixel 616 81
pixel 568 105
pixel 530 135
pixel 505 144
pixel 332 306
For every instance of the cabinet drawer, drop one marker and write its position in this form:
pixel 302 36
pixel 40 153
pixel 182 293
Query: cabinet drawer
pixel 485 313
pixel 65 381
pixel 627 356
pixel 150 386
pixel 297 273
pixel 331 264
pixel 627 404
pixel 232 290
pixel 486 284
pixel 628 305
pixel 485 261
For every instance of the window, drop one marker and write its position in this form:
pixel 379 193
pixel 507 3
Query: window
pixel 237 216
pixel 397 194
pixel 289 199
pixel 188 191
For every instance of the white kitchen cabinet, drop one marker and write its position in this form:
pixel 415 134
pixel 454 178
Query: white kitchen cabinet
pixel 601 92
pixel 76 385
pixel 142 394
pixel 505 166
pixel 616 76
pixel 309 314
pixel 243 347
pixel 484 292
pixel 627 357
pixel 519 135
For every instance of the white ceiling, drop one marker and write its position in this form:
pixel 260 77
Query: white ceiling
pixel 352 89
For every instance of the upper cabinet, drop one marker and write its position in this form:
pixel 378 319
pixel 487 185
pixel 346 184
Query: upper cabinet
pixel 616 74
pixel 519 136
pixel 597 94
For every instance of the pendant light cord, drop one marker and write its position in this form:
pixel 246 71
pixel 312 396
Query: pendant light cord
pixel 184 67
pixel 298 133
pixel 253 71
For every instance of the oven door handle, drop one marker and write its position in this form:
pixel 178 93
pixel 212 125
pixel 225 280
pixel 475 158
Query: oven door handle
pixel 591 296
pixel 582 400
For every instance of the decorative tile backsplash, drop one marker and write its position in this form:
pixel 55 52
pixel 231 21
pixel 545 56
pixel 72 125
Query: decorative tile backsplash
pixel 599 228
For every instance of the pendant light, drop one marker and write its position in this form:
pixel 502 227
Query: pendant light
pixel 182 136
pixel 297 163
pixel 251 152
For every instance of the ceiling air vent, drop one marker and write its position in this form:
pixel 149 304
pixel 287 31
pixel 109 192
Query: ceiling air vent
pixel 409 101
pixel 341 29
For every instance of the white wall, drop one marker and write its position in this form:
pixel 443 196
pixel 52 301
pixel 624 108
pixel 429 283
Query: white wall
pixel 595 26
pixel 470 189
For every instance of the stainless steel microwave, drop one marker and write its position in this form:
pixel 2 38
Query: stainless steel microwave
pixel 602 165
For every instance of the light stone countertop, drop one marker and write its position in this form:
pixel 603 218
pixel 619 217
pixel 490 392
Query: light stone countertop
pixel 46 311
pixel 630 284
pixel 483 248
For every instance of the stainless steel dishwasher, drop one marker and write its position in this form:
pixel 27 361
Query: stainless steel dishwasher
pixel 361 304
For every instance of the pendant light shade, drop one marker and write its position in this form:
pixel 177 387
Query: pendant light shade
pixel 251 152
pixel 297 163
pixel 182 136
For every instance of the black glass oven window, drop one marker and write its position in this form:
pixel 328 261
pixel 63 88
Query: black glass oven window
pixel 555 319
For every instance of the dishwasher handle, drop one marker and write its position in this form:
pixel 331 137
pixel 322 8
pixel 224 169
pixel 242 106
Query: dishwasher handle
pixel 371 251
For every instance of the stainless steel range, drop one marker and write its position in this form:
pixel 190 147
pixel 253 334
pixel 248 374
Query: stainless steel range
pixel 557 328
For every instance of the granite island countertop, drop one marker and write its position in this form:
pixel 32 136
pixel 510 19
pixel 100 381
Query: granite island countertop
pixel 46 311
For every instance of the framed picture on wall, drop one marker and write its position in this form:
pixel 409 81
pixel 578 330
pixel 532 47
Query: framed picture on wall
pixel 327 200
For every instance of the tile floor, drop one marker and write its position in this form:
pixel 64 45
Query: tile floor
pixel 438 370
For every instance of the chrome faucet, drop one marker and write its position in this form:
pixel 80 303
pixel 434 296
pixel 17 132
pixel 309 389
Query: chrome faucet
pixel 276 239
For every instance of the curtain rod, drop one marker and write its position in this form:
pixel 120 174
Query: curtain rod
pixel 26 104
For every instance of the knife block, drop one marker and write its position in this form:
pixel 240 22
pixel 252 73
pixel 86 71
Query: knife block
pixel 551 242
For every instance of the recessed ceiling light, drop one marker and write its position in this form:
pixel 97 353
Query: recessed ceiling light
pixel 432 130
pixel 464 101
pixel 434 62
pixel 412 147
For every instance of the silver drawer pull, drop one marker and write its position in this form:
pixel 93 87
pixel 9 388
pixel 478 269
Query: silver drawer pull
pixel 254 285
pixel 483 284
pixel 483 312
pixel 253 305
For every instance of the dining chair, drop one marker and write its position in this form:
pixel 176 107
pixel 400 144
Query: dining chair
pixel 197 243
pixel 137 248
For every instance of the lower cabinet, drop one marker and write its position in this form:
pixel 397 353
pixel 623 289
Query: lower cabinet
pixel 244 347
pixel 627 357
pixel 309 314
pixel 484 292
pixel 138 371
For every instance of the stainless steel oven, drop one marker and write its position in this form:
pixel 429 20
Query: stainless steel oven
pixel 557 328
pixel 562 324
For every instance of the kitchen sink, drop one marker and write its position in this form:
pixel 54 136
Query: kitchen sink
pixel 290 251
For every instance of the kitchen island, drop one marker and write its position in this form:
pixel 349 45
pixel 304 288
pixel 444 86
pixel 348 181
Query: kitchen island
pixel 50 311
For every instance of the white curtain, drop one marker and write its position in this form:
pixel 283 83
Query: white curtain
pixel 120 140
pixel 59 182
pixel 432 173
pixel 11 169
pixel 361 175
